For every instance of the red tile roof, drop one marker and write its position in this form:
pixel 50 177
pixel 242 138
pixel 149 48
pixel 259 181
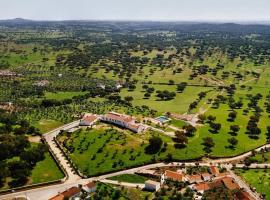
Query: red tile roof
pixel 174 175
pixel 58 197
pixel 230 183
pixel 90 185
pixel 223 175
pixel 71 192
pixel 195 178
pixel 243 195
pixel 214 170
pixel 202 186
pixel 119 117
pixel 89 118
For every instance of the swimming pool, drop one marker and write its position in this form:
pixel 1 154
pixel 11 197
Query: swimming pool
pixel 163 119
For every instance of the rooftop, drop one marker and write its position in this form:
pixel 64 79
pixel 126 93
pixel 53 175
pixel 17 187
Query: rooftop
pixel 71 192
pixel 152 182
pixel 90 185
pixel 230 183
pixel 119 117
pixel 202 187
pixel 173 175
pixel 214 170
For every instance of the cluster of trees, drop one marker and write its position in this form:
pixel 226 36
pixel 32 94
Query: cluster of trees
pixel 154 146
pixel 181 87
pixel 14 143
pixel 252 127
pixel 148 91
pixel 165 95
pixel 214 127
pixel 195 103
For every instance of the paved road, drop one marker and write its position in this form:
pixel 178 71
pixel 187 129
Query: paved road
pixel 72 180
pixel 71 175
pixel 49 191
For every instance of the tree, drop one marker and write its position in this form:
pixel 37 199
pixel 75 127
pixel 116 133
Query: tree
pixel 147 95
pixel 171 82
pixel 145 87
pixel 180 138
pixel 181 87
pixel 233 141
pixel 268 132
pixel 154 146
pixel 128 99
pixel 232 116
pixel 201 118
pixel 190 130
pixel 208 143
pixel 20 172
pixel 132 87
pixel 211 118
pixel 234 129
pixel 215 127
pixel 202 95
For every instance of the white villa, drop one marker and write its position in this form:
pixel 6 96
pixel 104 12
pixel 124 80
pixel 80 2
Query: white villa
pixel 124 121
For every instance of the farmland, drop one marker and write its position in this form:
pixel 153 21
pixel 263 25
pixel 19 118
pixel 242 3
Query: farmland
pixel 214 89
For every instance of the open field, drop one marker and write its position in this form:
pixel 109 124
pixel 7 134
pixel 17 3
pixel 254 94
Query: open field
pixel 47 125
pixel 62 95
pixel 46 170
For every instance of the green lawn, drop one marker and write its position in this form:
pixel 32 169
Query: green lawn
pixel 177 123
pixel 62 95
pixel 104 150
pixel 46 170
pixel 46 125
pixel 129 178
pixel 258 178
pixel 179 104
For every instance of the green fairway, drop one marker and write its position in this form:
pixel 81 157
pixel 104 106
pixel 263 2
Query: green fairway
pixel 129 178
pixel 46 170
pixel 257 178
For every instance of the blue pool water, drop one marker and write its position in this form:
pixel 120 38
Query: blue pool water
pixel 162 119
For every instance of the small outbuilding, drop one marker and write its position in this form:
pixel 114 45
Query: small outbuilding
pixel 152 185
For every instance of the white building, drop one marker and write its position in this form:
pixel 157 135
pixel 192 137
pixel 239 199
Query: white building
pixel 152 185
pixel 88 120
pixel 124 121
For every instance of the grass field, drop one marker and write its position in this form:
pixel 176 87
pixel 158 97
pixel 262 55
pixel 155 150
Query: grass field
pixel 47 125
pixel 62 95
pixel 258 178
pixel 179 104
pixel 46 170
pixel 103 150
pixel 129 178
pixel 177 123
